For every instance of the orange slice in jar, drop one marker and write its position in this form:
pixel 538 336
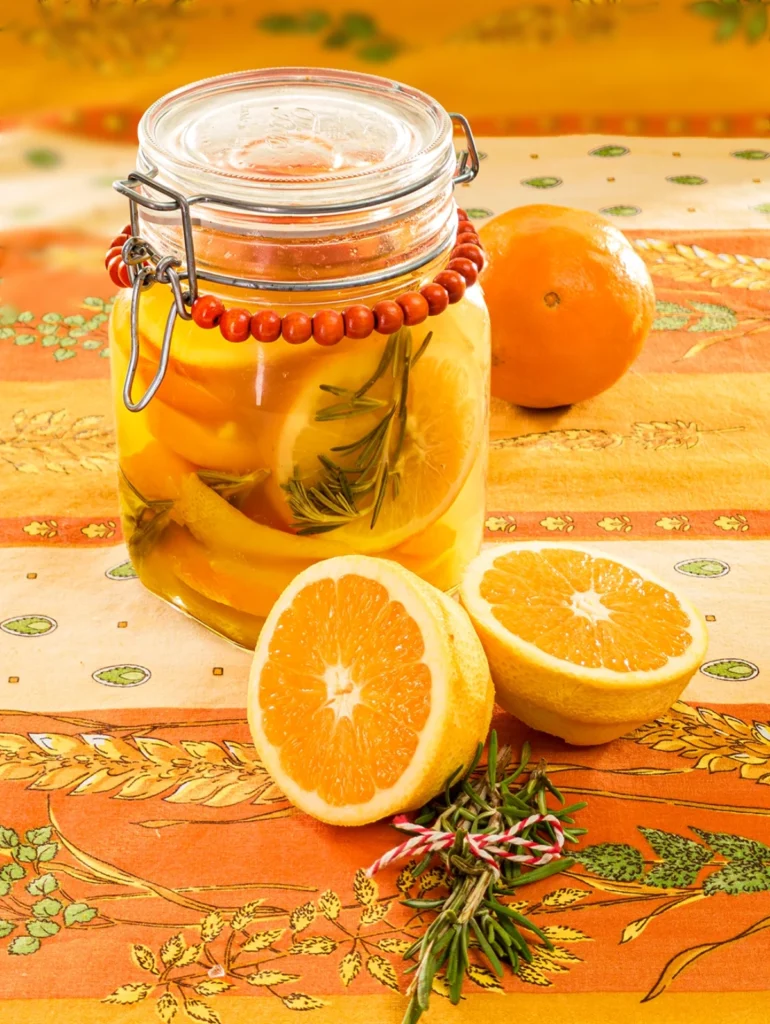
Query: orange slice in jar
pixel 205 354
pixel 179 388
pixel 159 474
pixel 443 435
pixel 431 555
pixel 156 574
pixel 368 688
pixel 182 391
pixel 154 471
pixel 222 527
pixel 229 445
pixel 223 404
pixel 249 586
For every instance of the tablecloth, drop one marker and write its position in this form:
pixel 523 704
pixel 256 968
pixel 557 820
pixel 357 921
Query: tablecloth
pixel 150 869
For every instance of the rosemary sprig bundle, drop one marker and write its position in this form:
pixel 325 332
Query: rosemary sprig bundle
pixel 474 919
pixel 354 484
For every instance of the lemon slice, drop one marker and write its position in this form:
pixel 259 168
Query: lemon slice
pixel 581 645
pixel 443 434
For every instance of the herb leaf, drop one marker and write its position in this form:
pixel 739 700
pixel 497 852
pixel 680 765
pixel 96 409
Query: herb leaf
pixel 354 484
pixel 475 911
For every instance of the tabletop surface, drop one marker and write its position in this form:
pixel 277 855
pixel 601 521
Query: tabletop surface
pixel 144 817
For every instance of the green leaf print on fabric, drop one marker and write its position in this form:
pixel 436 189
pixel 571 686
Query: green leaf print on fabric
pixel 708 567
pixel 671 316
pixel 546 181
pixel 122 675
pixel 124 571
pixel 621 211
pixel 682 858
pixel 686 179
pixel 715 318
pixel 29 625
pixel 730 668
pixel 617 862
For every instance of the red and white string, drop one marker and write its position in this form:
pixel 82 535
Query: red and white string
pixel 487 847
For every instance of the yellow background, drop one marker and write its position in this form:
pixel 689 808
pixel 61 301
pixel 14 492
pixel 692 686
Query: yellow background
pixel 493 61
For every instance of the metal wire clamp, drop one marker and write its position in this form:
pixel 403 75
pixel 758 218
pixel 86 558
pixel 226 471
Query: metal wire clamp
pixel 144 278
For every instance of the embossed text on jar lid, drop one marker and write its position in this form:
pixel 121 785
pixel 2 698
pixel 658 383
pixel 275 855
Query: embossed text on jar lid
pixel 296 137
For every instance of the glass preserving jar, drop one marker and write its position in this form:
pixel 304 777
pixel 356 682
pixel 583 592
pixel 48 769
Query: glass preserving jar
pixel 299 194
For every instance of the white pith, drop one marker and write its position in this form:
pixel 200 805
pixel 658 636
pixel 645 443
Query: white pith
pixel 480 610
pixel 342 693
pixel 588 604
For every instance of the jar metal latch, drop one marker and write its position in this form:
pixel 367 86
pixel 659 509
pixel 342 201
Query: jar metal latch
pixel 147 267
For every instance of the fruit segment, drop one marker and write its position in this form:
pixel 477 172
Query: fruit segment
pixel 429 442
pixel 229 444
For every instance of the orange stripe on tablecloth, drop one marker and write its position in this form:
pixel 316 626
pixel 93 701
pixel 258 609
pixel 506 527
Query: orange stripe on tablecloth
pixel 724 524
pixel 476 1007
pixel 69 531
pixel 224 846
pixel 225 715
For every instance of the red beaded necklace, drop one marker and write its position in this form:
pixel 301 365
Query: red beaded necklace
pixel 327 326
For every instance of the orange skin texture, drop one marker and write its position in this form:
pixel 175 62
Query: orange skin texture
pixel 571 304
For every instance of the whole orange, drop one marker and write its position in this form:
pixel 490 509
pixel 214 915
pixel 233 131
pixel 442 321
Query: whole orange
pixel 570 300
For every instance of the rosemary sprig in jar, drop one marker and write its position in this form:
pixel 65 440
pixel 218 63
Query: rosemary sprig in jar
pixel 354 477
pixel 145 519
pixel 492 833
pixel 235 488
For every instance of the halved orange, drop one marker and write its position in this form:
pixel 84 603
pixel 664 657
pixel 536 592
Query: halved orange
pixel 581 645
pixel 368 688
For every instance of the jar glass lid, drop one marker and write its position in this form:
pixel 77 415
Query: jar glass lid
pixel 296 137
